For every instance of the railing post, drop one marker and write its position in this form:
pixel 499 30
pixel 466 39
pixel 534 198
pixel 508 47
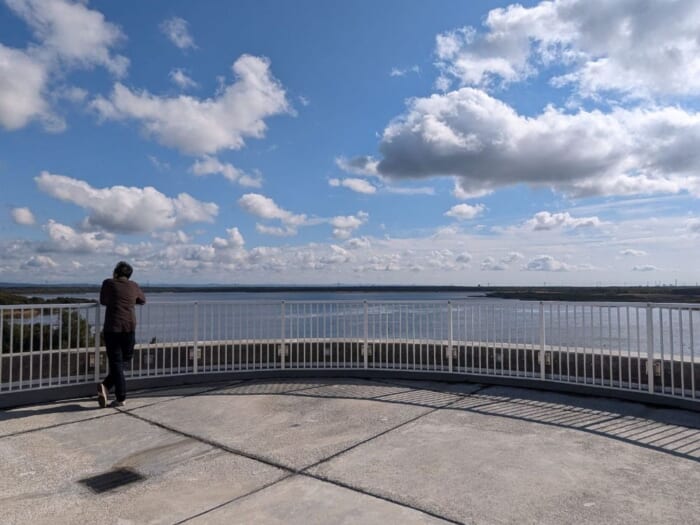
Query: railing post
pixel 195 350
pixel 650 348
pixel 366 323
pixel 97 344
pixel 542 342
pixel 449 327
pixel 283 347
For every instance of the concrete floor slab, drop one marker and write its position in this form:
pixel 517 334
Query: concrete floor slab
pixel 379 452
pixel 295 431
pixel 489 469
pixel 28 418
pixel 40 474
pixel 305 501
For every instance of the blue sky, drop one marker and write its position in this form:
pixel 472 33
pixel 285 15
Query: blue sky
pixel 377 142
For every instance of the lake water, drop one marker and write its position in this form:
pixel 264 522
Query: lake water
pixel 615 327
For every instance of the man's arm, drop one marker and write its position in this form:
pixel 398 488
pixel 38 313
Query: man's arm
pixel 105 293
pixel 140 297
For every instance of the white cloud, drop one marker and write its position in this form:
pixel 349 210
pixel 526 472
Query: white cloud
pixel 159 164
pixel 72 34
pixel 233 241
pixel 632 252
pixel 42 262
pixel 345 225
pixel 177 31
pixel 172 237
pixel 399 72
pixel 276 231
pixel 465 211
pixel 358 243
pixel 209 165
pixel 486 145
pixel 644 268
pixel 545 220
pixel 399 190
pixel 464 257
pixel 694 225
pixel 363 165
pixel 22 85
pixel 204 126
pixel 303 100
pixel 127 209
pixel 63 238
pixel 23 216
pixel 512 257
pixel 181 79
pixel 266 208
pixel 356 185
pixel 601 46
pixel 547 263
pixel 489 264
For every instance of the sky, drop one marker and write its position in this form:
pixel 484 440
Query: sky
pixel 366 142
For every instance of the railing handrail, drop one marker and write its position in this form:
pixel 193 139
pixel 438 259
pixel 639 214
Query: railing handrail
pixel 626 346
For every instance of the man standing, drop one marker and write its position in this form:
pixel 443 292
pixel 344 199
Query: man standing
pixel 119 295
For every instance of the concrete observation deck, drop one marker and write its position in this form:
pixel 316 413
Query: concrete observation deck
pixel 349 451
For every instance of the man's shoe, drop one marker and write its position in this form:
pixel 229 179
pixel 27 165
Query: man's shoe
pixel 117 404
pixel 102 395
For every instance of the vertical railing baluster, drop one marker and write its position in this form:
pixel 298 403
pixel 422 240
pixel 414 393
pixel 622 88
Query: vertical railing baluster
pixel 650 349
pixel 542 342
pixel 283 333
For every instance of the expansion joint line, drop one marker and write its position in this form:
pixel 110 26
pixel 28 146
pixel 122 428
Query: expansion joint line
pixel 305 471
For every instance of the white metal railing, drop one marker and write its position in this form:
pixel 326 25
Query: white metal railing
pixel 650 348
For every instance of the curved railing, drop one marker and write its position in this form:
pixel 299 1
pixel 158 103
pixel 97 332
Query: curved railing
pixel 640 349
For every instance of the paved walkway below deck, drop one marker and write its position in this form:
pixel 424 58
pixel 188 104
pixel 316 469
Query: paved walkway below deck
pixel 351 451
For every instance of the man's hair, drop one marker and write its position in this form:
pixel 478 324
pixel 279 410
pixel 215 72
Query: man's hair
pixel 123 269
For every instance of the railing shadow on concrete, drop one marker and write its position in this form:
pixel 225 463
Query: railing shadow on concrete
pixel 669 431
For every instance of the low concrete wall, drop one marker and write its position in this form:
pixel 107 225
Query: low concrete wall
pixel 30 397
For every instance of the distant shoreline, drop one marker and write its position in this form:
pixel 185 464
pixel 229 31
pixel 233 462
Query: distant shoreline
pixel 655 294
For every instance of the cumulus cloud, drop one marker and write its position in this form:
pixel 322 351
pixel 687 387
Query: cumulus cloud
pixel 463 257
pixel 276 231
pixel 362 165
pixel 547 263
pixel 181 79
pixel 22 84
pixel 265 208
pixel 233 240
pixel 512 257
pixel 177 31
pixel 465 211
pixel 545 220
pixel 209 165
pixel 172 237
pixel 600 46
pixel 489 264
pixel 63 238
pixel 486 145
pixel 401 72
pixel 358 243
pixel 356 185
pixel 42 262
pixel 345 225
pixel 404 190
pixel 127 209
pixel 644 268
pixel 69 35
pixel 630 252
pixel 23 216
pixel 204 126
